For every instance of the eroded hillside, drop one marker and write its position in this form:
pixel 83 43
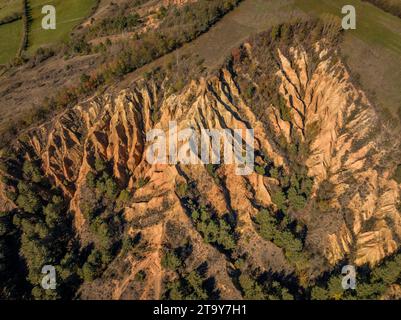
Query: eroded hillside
pixel 322 191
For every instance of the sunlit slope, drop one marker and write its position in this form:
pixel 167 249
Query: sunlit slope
pixel 10 35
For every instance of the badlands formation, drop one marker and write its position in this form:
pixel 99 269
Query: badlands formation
pixel 345 156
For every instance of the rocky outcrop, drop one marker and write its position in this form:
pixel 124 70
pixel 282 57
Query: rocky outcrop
pixel 346 150
pixel 326 109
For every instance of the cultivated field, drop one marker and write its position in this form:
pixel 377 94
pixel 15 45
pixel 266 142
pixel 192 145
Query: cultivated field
pixel 68 15
pixel 10 35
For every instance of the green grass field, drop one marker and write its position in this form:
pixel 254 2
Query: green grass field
pixel 8 7
pixel 69 14
pixel 10 35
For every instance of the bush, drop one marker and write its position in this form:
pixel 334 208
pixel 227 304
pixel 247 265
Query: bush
pixel 107 186
pixel 114 25
pixel 32 172
pixel 279 199
pixel 195 282
pixel 102 230
pixel 213 229
pixel 124 197
pixel 92 267
pixel 91 180
pixel 267 223
pixel 295 201
pixel 260 170
pixel 189 287
pixel 100 165
pixel 52 215
pixel 112 189
pixel 41 55
pixel 29 202
pixel 78 46
pixel 170 261
pixel 318 293
pixel 250 288
pixel 271 229
pixel 181 189
pixel 142 182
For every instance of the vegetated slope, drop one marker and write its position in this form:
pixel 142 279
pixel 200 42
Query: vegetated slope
pixel 321 192
pixel 10 29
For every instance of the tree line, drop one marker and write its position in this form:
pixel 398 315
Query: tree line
pixel 390 6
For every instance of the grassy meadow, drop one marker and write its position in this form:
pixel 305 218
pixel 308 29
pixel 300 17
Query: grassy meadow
pixel 10 33
pixel 68 15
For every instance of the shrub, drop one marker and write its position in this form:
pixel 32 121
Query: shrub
pixel 170 261
pixel 260 170
pixel 29 202
pixel 100 165
pixel 279 199
pixel 270 229
pixel 214 229
pixel 52 215
pixel 250 288
pixel 295 201
pixel 267 223
pixel 142 182
pixel 195 282
pixel 91 180
pixel 318 293
pixel 32 172
pixel 124 197
pixel 140 276
pixel 189 287
pixel 92 267
pixel 182 189
pixel 114 25
pixel 112 189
